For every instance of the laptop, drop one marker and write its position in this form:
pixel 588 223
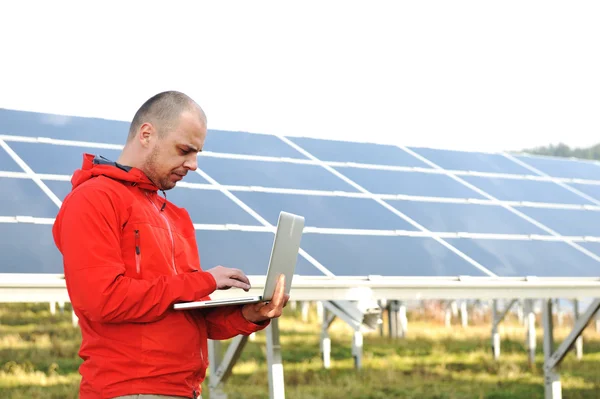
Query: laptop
pixel 284 254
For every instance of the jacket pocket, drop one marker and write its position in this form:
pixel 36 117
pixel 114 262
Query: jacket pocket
pixel 138 251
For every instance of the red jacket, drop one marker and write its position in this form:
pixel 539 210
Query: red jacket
pixel 128 256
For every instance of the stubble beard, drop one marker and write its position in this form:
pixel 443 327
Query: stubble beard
pixel 151 170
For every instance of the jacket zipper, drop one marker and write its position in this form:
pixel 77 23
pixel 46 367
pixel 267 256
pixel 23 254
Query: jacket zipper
pixel 170 234
pixel 138 252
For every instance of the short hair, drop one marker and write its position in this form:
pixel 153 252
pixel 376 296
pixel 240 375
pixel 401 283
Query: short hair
pixel 163 110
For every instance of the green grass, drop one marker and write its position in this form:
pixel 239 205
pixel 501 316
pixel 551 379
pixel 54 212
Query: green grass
pixel 38 359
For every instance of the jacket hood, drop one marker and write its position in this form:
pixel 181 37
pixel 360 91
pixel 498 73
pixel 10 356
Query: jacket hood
pixel 96 165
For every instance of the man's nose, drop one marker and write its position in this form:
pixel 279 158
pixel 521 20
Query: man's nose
pixel 191 164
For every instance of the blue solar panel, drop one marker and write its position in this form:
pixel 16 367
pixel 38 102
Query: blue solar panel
pixel 529 258
pixel 56 159
pixel 320 211
pixel 526 190
pixel 33 124
pixel 249 144
pixel 209 207
pixel 7 164
pixel 567 222
pixel 247 251
pixel 468 218
pixel 368 153
pixel 23 197
pixel 408 183
pixel 592 190
pixel 347 255
pixel 64 160
pixel 28 248
pixel 567 168
pixel 271 174
pixel 59 188
pixel 474 161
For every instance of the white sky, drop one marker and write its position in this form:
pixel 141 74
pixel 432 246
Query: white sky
pixel 499 75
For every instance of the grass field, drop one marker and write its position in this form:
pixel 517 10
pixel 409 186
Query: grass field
pixel 38 359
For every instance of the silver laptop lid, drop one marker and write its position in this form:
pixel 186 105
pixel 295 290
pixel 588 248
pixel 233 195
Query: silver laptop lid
pixel 284 253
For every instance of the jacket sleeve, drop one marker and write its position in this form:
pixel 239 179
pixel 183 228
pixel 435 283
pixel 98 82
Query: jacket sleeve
pixel 87 232
pixel 228 321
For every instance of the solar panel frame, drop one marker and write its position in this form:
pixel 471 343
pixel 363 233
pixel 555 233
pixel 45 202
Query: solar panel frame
pixel 357 189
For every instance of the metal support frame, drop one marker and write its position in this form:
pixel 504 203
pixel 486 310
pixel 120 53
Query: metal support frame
pixel 274 361
pixel 464 314
pixel 221 366
pixel 552 358
pixel 328 318
pixel 497 318
pixel 359 316
pixel 579 340
pixel 530 341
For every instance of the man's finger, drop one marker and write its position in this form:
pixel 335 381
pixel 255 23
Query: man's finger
pixel 239 284
pixel 239 275
pixel 278 296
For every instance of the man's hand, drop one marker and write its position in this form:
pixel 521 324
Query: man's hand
pixel 227 278
pixel 260 312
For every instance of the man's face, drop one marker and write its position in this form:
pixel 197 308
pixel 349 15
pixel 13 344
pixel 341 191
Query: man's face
pixel 175 154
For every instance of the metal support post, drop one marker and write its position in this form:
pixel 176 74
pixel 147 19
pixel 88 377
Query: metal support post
pixel 215 356
pixel 393 318
pixel 464 315
pixel 52 308
pixel 328 318
pixel 402 320
pixel 305 309
pixel 448 316
pixel 495 334
pixel 220 370
pixel 319 310
pixel 74 319
pixel 61 307
pixel 274 362
pixel 597 321
pixel 579 340
pixel 497 318
pixel 531 336
pixel 520 313
pixel 553 358
pixel 552 386
pixel 357 345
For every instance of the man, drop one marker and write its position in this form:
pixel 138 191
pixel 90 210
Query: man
pixel 129 255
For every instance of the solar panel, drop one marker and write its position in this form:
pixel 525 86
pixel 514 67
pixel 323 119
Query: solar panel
pixel 326 212
pixel 248 251
pixel 209 207
pixel 565 168
pixel 7 163
pixel 367 153
pixel 472 161
pixel 408 183
pixel 35 124
pixel 351 255
pixel 567 222
pixel 470 218
pixel 249 144
pixel 391 213
pixel 56 159
pixel 241 172
pixel 22 197
pixel 526 190
pixel 510 258
pixel 592 190
pixel 28 248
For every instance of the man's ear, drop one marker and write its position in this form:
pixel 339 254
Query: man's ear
pixel 146 133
